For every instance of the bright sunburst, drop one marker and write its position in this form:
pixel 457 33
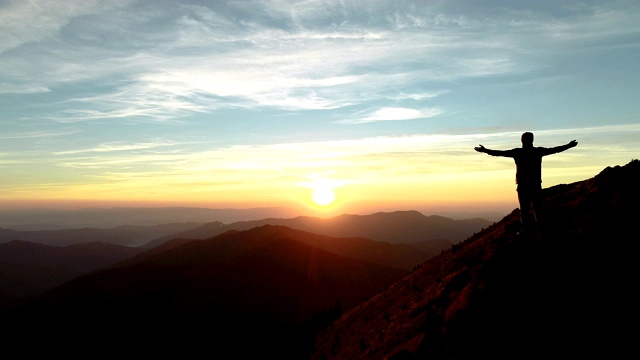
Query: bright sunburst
pixel 322 187
pixel 323 196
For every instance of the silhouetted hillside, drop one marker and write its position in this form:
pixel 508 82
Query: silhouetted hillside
pixel 393 227
pixel 27 269
pixel 402 256
pixel 203 231
pixel 264 286
pixel 499 296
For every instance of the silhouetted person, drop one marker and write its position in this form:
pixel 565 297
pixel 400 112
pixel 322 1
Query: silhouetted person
pixel 528 161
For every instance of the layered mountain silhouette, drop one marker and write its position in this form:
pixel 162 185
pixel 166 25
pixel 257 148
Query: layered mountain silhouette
pixel 28 267
pixel 272 291
pixel 266 284
pixel 402 256
pixel 393 227
pixel 433 233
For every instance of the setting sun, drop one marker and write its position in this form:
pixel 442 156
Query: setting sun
pixel 323 196
pixel 323 190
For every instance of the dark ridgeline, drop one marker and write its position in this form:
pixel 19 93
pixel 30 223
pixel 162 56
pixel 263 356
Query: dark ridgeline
pixel 392 227
pixel 267 291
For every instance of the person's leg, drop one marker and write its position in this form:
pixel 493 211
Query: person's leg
pixel 538 211
pixel 526 220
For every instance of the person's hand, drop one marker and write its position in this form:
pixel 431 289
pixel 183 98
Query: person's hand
pixel 573 143
pixel 482 149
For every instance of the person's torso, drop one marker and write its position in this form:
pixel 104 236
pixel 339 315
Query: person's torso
pixel 528 165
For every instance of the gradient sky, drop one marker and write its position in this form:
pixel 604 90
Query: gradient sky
pixel 254 103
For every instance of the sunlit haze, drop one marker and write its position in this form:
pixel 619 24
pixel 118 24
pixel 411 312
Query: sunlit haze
pixel 327 106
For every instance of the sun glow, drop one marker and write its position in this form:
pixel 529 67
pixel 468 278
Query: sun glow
pixel 323 196
pixel 323 193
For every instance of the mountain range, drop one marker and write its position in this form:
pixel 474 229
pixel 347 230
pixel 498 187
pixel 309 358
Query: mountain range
pixel 32 261
pixel 265 284
pixel 392 227
pixel 275 291
pixel 389 227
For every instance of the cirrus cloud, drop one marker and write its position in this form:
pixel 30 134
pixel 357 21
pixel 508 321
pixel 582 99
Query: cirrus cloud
pixel 393 114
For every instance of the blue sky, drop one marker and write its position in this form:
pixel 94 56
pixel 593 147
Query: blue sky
pixel 254 103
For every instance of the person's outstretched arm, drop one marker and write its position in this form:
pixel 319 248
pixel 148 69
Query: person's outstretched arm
pixel 482 149
pixel 561 148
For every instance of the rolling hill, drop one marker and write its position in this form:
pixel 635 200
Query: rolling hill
pixel 402 256
pixel 31 268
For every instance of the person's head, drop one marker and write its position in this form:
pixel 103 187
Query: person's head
pixel 527 139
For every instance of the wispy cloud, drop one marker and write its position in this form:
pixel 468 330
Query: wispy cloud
pixel 393 114
pixel 24 22
pixel 37 134
pixel 117 147
pixel 290 58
